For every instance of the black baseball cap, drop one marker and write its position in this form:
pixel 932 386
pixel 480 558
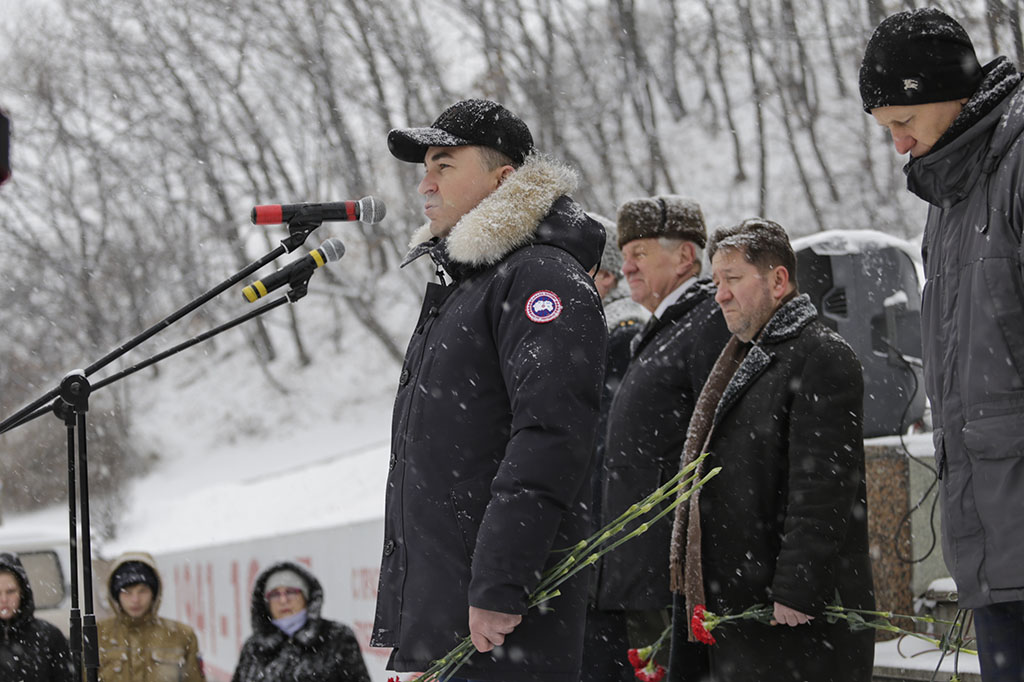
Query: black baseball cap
pixel 469 122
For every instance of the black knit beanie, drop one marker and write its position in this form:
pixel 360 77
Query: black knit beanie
pixel 132 573
pixel 918 57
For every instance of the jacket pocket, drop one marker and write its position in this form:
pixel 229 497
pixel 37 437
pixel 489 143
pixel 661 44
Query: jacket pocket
pixel 996 445
pixel 168 664
pixel 469 500
pixel 113 660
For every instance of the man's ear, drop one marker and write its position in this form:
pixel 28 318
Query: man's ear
pixel 505 172
pixel 687 257
pixel 780 281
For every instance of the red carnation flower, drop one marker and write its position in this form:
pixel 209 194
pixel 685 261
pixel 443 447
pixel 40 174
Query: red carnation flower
pixel 635 660
pixel 700 631
pixel 652 672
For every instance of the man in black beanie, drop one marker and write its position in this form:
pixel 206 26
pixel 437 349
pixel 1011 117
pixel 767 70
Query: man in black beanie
pixel 136 643
pixel 962 125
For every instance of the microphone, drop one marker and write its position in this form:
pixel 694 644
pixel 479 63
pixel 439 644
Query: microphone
pixel 367 210
pixel 297 271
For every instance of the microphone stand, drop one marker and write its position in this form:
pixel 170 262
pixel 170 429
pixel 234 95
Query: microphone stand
pixel 72 404
pixel 299 228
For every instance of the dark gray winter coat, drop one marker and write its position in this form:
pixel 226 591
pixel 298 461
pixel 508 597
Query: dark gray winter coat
pixel 321 651
pixel 493 433
pixel 972 315
pixel 31 650
pixel 786 519
pixel 646 431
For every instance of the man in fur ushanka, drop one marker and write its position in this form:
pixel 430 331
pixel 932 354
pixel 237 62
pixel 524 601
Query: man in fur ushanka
pixel 784 524
pixel 497 405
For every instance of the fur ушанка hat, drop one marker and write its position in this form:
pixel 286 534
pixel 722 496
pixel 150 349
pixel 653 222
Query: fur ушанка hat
pixel 918 57
pixel 132 573
pixel 468 122
pixel 286 578
pixel 662 216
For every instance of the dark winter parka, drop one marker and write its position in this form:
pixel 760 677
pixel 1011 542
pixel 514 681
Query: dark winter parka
pixel 321 651
pixel 786 519
pixel 646 431
pixel 972 315
pixel 31 650
pixel 493 433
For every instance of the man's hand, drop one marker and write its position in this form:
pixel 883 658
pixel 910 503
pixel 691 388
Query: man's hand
pixel 487 629
pixel 787 616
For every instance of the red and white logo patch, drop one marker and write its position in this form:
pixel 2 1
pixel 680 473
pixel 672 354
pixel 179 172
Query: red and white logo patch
pixel 543 306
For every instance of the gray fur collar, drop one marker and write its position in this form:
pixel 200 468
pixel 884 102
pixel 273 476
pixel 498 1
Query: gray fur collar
pixel 507 218
pixel 788 320
pixel 786 323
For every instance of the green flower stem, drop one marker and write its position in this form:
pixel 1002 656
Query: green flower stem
pixel 668 488
pixel 585 553
pixel 570 566
pixel 886 626
pixel 581 552
pixel 888 615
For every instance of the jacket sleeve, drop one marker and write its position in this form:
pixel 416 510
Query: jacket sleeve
pixel 553 372
pixel 62 667
pixel 826 467
pixel 193 668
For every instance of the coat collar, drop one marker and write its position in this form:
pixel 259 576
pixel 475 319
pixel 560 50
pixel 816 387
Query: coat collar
pixel 694 294
pixel 504 221
pixel 787 323
pixel 975 143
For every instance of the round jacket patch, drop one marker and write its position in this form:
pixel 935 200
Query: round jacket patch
pixel 543 306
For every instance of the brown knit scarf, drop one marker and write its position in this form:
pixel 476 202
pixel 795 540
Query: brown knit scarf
pixel 686 574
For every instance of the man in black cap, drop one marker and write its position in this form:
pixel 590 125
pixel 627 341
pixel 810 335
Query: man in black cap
pixel 497 405
pixel 962 125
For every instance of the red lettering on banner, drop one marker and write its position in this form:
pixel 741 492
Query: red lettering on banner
pixel 238 604
pixel 212 607
pixel 364 583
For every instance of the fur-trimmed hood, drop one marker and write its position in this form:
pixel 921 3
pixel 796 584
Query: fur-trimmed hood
pixel 530 207
pixel 265 633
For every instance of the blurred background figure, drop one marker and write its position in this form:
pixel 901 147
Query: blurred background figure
pixel 290 641
pixel 31 650
pixel 605 642
pixel 136 644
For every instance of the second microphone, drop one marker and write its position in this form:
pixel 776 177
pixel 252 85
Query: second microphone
pixel 297 271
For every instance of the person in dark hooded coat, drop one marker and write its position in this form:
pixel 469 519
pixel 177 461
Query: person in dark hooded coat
pixel 497 406
pixel 31 650
pixel 290 641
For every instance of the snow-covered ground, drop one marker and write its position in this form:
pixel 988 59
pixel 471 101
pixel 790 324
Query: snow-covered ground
pixel 238 459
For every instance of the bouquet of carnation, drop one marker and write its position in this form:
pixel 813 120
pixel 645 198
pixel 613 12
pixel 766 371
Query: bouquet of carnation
pixel 647 511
